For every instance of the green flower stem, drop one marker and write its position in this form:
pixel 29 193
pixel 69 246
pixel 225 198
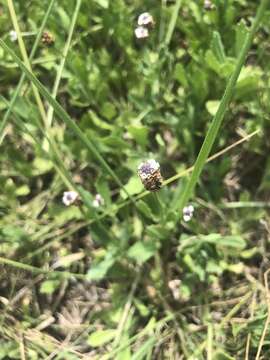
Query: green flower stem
pixel 225 101
pixel 35 270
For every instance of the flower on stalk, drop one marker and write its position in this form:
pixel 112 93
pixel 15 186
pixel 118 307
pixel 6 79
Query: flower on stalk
pixel 149 173
pixel 69 197
pixel 47 38
pixel 13 35
pixel 188 213
pixel 141 32
pixel 98 201
pixel 146 19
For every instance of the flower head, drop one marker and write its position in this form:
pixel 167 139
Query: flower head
pixel 145 19
pixel 188 213
pixel 141 32
pixel 13 35
pixel 149 173
pixel 69 197
pixel 98 201
pixel 147 168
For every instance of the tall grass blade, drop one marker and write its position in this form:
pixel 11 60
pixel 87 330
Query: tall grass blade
pixel 63 60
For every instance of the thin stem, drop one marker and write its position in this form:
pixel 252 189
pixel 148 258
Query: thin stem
pixel 225 101
pixel 26 59
pixel 63 60
pixel 36 270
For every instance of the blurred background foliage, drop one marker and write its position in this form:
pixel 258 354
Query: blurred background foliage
pixel 155 287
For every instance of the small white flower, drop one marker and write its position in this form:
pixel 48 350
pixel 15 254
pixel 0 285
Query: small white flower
pixel 69 197
pixel 141 32
pixel 188 213
pixel 13 35
pixel 208 5
pixel 145 19
pixel 98 201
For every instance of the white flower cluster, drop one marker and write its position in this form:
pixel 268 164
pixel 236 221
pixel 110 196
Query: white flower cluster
pixel 145 21
pixel 188 213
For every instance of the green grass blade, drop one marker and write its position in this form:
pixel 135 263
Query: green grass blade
pixel 63 60
pixel 59 110
pixel 225 101
pixel 172 23
pixel 26 58
pixel 20 84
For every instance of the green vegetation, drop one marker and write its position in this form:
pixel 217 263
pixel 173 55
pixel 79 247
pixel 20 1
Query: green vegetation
pixel 119 273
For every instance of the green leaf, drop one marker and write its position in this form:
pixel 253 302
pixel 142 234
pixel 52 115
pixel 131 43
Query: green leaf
pixel 145 209
pixel 217 47
pixel 221 355
pixel 142 251
pixel 139 133
pixel 98 271
pixel 49 286
pixel 134 186
pixel 212 106
pixel 103 3
pixel 240 36
pixel 101 337
pixel 232 241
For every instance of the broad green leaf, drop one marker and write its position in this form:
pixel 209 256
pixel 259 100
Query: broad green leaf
pixel 142 251
pixel 98 271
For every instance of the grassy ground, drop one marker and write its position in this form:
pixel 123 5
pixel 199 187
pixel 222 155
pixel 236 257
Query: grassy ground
pixel 81 107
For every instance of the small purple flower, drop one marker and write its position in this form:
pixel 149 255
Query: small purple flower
pixel 141 32
pixel 98 201
pixel 145 19
pixel 188 213
pixel 147 168
pixel 69 197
